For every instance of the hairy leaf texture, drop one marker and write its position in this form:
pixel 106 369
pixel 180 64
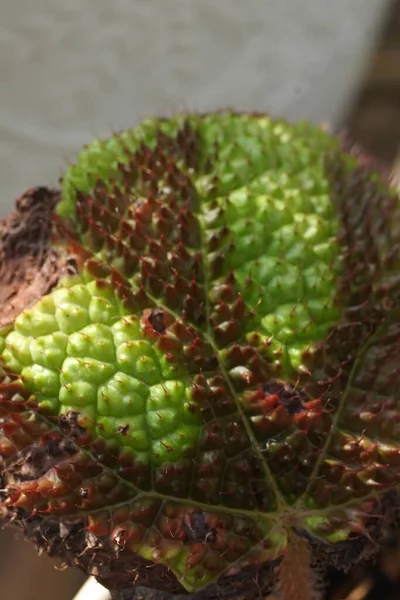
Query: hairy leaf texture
pixel 222 372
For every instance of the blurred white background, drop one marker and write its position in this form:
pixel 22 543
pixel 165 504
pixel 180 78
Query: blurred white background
pixel 70 70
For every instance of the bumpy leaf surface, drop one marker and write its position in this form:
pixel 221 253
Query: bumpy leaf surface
pixel 224 367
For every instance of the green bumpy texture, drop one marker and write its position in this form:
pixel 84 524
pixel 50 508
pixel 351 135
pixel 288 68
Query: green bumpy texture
pixel 211 338
pixel 275 202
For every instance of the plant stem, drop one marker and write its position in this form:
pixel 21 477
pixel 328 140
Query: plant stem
pixel 297 579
